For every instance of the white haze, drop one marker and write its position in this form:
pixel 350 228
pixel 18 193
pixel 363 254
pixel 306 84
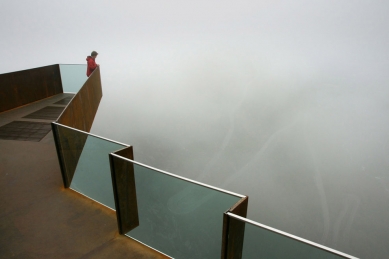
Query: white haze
pixel 285 101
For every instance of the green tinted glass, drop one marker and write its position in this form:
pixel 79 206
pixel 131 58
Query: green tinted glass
pixel 73 77
pixel 179 218
pixel 264 243
pixel 87 157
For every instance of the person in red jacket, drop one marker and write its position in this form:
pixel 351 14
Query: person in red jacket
pixel 91 63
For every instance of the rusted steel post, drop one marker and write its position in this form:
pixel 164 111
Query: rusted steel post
pixel 233 231
pixel 123 181
pixel 69 144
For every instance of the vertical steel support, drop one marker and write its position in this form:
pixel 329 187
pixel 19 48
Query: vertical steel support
pixel 69 143
pixel 233 231
pixel 57 141
pixel 123 182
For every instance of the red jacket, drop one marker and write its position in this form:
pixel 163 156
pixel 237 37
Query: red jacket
pixel 91 65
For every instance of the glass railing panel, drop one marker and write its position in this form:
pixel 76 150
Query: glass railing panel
pixel 177 217
pixel 88 157
pixel 265 242
pixel 73 77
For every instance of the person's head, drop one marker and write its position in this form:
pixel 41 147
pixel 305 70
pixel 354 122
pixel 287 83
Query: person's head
pixel 94 54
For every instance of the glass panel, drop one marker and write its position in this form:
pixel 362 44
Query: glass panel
pixel 263 243
pixel 177 217
pixel 73 77
pixel 88 157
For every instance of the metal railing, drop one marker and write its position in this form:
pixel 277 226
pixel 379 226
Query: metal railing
pixel 177 216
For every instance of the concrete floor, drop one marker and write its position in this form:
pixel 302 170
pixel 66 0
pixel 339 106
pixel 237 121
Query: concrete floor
pixel 41 219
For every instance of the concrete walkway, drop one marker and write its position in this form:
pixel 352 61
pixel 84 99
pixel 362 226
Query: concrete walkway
pixel 41 219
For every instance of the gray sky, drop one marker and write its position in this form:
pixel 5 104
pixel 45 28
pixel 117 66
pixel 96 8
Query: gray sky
pixel 286 99
pixel 133 34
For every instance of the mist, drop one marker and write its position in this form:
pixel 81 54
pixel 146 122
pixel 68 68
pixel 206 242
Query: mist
pixel 284 101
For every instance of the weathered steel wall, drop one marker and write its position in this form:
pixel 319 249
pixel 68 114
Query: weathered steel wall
pixel 81 111
pixel 79 114
pixel 23 87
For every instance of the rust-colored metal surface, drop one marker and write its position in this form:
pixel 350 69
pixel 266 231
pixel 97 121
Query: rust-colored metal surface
pixel 69 144
pixel 240 208
pixel 233 231
pixel 40 219
pixel 123 180
pixel 81 111
pixel 79 114
pixel 23 87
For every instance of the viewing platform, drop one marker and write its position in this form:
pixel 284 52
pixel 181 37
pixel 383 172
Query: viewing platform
pixel 39 218
pixel 67 193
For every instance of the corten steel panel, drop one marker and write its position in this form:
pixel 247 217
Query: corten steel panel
pixel 81 111
pixel 78 114
pixel 69 144
pixel 123 181
pixel 23 87
pixel 67 115
pixel 233 231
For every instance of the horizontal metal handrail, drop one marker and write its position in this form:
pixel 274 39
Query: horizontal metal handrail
pixel 299 239
pixel 90 134
pixel 228 213
pixel 180 177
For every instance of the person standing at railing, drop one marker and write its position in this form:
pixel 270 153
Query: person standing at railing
pixel 91 63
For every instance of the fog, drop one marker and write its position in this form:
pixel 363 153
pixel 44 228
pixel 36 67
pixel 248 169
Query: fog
pixel 284 101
